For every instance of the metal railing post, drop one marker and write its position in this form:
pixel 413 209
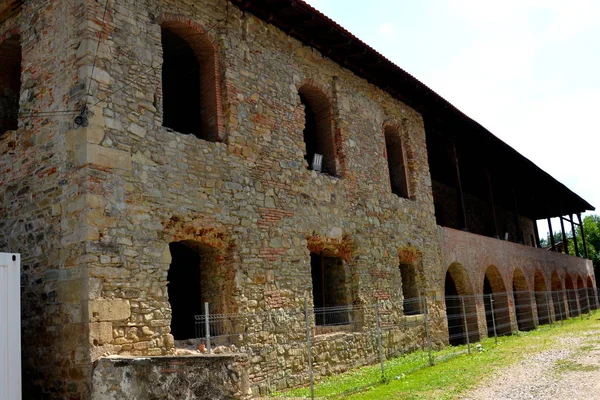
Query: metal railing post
pixel 462 303
pixel 207 327
pixel 548 309
pixel 309 352
pixel 578 304
pixel 560 300
pixel 379 344
pixel 532 301
pixel 426 317
pixel 493 318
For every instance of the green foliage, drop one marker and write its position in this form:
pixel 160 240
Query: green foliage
pixel 591 225
pixel 557 239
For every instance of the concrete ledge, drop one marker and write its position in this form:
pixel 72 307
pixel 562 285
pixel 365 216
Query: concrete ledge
pixel 214 377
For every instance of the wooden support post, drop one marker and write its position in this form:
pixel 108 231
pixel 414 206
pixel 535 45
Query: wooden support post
pixel 518 236
pixel 574 236
pixel 461 196
pixel 537 235
pixel 585 252
pixel 551 235
pixel 564 236
pixel 492 205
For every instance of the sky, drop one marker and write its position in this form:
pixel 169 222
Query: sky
pixel 527 70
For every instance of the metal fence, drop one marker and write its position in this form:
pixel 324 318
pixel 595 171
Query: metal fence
pixel 293 347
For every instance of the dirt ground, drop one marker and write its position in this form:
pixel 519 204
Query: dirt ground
pixel 570 371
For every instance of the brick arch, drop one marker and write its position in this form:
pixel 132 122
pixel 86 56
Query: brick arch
pixel 459 275
pixel 569 282
pixel 539 282
pixel 205 49
pixel 571 289
pixel 558 302
pixel 458 296
pixel 318 130
pixel 522 301
pixel 589 282
pixel 215 246
pixel 13 31
pixel 519 280
pixel 555 281
pixel 582 295
pixel 542 299
pixel 591 293
pixel 495 300
pixel 492 273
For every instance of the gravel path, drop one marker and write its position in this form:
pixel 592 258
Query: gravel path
pixel 566 373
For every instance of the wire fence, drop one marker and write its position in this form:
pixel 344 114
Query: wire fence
pixel 290 348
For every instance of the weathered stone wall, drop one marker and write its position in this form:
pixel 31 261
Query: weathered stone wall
pixel 93 209
pixel 42 197
pixel 250 196
pixel 215 377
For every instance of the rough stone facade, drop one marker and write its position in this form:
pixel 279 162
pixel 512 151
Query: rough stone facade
pixel 94 209
pixel 215 377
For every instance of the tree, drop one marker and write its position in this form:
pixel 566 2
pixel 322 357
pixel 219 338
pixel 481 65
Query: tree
pixel 591 226
pixel 545 243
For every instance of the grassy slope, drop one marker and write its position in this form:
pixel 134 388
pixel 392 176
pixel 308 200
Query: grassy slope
pixel 411 377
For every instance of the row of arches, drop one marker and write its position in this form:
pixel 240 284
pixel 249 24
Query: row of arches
pixel 498 309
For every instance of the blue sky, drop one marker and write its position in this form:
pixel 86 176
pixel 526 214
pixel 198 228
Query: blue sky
pixel 527 70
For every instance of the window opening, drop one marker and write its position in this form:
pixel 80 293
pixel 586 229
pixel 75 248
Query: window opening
pixel 10 83
pixel 410 290
pixel 192 281
pixel 396 162
pixel 330 291
pixel 189 83
pixel 318 137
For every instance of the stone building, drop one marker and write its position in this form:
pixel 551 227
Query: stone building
pixel 262 142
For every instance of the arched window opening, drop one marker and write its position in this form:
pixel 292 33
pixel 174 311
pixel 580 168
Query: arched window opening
pixel 557 297
pixel 571 296
pixel 189 82
pixel 591 294
pixel 523 306
pixel 582 296
pixel 331 293
pixel 396 162
pixel 193 279
pixel 10 83
pixel 318 134
pixel 410 290
pixel 541 298
pixel 461 310
pixel 495 300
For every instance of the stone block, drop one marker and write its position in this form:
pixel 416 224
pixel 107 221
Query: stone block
pixel 101 333
pixel 103 156
pixel 109 310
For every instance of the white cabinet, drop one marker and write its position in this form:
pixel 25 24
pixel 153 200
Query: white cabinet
pixel 10 326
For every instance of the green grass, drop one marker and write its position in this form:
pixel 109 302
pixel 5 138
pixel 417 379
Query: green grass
pixel 570 365
pixel 455 371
